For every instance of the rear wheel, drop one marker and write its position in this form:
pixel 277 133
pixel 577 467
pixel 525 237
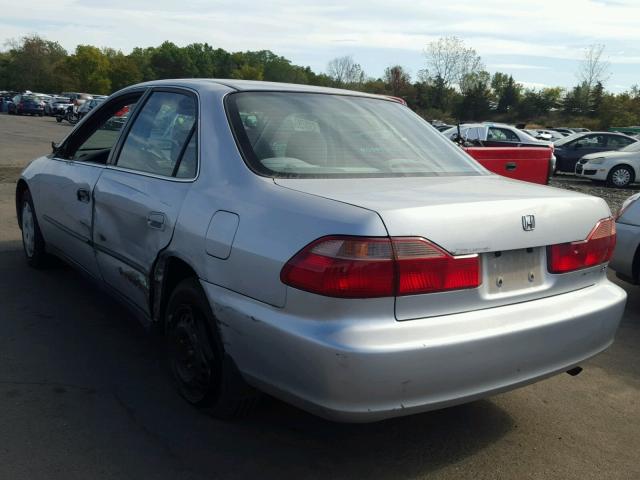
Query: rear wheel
pixel 620 176
pixel 204 375
pixel 32 240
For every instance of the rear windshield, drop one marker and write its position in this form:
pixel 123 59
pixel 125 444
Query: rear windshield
pixel 330 136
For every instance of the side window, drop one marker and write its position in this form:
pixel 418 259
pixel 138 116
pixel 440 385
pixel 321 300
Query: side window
pixel 502 135
pixel 189 162
pixel 161 135
pixel 591 141
pixel 509 136
pixel 495 134
pixel 618 142
pixel 94 141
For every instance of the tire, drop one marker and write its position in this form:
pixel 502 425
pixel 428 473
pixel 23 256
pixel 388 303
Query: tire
pixel 203 373
pixel 620 176
pixel 59 119
pixel 32 241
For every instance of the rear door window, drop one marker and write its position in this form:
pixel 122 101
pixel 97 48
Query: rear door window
pixel 161 137
pixel 502 134
pixel 616 142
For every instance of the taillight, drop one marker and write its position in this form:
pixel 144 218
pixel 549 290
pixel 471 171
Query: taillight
pixel 368 267
pixel 595 250
pixel 425 268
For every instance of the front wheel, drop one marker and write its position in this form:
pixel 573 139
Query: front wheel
pixel 204 375
pixel 59 119
pixel 32 240
pixel 620 177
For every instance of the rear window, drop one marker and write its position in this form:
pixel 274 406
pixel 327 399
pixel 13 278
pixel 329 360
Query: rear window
pixel 331 136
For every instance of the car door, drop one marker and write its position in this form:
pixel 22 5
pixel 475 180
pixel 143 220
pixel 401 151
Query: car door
pixel 589 144
pixel 138 198
pixel 68 182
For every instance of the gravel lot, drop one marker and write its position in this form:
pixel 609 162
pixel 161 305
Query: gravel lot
pixel 84 394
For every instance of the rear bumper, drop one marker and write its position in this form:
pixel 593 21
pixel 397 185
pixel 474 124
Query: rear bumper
pixel 368 371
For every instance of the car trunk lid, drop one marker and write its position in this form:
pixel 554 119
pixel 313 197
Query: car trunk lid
pixel 485 215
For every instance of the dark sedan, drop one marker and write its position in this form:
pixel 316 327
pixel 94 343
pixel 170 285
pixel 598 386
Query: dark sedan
pixel 26 104
pixel 570 149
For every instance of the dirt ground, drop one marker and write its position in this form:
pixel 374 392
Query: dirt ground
pixel 84 395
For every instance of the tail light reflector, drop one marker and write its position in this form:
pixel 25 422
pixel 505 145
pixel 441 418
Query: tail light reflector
pixel 369 267
pixel 595 250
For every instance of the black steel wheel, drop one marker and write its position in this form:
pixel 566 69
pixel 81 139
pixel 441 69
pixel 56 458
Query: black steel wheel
pixel 204 374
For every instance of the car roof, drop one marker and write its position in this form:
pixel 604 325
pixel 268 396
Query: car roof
pixel 253 85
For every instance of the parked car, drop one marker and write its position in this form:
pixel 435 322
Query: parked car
pixel 26 105
pixel 509 163
pixel 572 148
pixel 77 99
pixel 89 105
pixel 520 163
pixel 563 130
pixel 618 168
pixel 551 135
pixel 494 132
pixel 326 246
pixel 626 257
pixel 57 105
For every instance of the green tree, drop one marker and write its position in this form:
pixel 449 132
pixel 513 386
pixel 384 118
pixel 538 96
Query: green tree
pixel 397 80
pixel 123 70
pixel 88 68
pixel 170 61
pixel 31 64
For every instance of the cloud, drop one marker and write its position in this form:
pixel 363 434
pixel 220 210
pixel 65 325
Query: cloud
pixel 307 30
pixel 516 66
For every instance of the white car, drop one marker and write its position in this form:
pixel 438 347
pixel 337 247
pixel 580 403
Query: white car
pixel 493 132
pixel 618 168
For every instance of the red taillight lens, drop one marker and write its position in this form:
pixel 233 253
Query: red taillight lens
pixel 595 250
pixel 425 268
pixel 347 267
pixel 368 267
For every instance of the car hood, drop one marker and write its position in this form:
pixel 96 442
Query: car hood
pixel 466 214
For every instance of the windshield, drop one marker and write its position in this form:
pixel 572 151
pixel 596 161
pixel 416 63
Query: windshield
pixel 632 147
pixel 330 136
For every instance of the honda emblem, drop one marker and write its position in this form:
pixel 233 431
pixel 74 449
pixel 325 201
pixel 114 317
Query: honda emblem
pixel 528 223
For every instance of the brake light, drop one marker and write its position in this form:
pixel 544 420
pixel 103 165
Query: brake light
pixel 425 268
pixel 595 250
pixel 369 267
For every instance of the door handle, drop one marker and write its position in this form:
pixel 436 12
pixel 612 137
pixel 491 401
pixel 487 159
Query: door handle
pixel 511 166
pixel 83 195
pixel 156 220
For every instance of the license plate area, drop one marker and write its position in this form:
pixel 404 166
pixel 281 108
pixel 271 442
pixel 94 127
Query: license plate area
pixel 514 270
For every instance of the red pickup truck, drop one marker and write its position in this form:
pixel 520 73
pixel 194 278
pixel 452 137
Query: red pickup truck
pixel 531 164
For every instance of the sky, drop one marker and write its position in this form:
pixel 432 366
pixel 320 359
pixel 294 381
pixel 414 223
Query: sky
pixel 539 42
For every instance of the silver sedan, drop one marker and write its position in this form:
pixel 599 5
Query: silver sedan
pixel 626 258
pixel 328 247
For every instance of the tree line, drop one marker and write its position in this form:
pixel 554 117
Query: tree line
pixel 453 86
